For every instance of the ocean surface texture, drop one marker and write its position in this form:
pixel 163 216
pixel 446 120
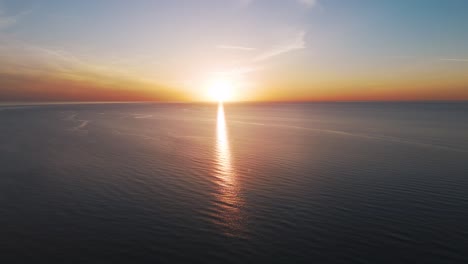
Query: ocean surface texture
pixel 239 183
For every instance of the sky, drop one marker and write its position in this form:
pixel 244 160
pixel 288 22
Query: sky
pixel 269 50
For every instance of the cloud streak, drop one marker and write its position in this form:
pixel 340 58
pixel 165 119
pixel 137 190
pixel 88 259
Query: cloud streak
pixel 308 3
pixel 234 47
pixel 33 73
pixel 7 20
pixel 454 60
pixel 295 43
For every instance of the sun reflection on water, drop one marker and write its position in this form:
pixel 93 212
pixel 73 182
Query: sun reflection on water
pixel 223 154
pixel 228 194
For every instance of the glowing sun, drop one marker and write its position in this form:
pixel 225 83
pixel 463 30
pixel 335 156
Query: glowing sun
pixel 221 90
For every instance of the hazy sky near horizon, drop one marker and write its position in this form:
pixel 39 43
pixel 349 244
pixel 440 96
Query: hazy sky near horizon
pixel 87 50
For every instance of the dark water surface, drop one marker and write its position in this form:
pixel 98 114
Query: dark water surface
pixel 247 183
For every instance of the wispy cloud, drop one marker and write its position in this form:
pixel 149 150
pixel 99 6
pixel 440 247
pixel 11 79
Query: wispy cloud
pixel 234 47
pixel 454 59
pixel 32 72
pixel 291 41
pixel 400 57
pixel 294 43
pixel 238 71
pixel 309 3
pixel 245 2
pixel 8 20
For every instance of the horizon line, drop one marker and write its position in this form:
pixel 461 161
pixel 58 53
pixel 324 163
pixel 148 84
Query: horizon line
pixel 17 103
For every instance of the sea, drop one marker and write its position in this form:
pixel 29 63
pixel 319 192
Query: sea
pixel 370 182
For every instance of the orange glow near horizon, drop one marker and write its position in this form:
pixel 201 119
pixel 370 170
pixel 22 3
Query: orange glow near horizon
pixel 95 84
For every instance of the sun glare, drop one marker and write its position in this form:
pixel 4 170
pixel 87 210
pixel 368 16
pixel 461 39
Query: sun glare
pixel 220 90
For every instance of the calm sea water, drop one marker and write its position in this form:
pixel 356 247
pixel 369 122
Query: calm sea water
pixel 243 183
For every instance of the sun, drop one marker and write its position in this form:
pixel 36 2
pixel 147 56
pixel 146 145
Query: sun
pixel 221 90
